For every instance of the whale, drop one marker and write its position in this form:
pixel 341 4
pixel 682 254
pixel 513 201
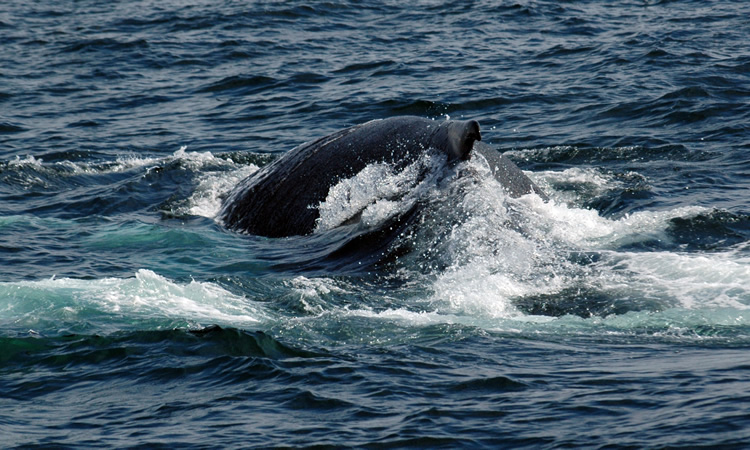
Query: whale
pixel 281 199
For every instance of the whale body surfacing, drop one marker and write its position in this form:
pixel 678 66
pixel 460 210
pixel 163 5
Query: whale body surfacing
pixel 281 198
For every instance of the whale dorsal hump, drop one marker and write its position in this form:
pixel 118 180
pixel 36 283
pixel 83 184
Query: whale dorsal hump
pixel 456 137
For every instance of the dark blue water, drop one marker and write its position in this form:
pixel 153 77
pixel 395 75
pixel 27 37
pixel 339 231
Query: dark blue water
pixel 615 315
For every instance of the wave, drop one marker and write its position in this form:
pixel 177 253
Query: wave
pixel 474 243
pixel 32 172
pixel 574 261
pixel 472 256
pixel 79 187
pixel 481 258
pixel 148 300
pixel 72 350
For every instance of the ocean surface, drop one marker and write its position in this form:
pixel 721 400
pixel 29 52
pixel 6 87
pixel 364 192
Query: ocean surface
pixel 616 315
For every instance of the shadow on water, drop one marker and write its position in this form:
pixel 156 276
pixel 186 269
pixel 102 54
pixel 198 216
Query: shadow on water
pixel 347 250
pixel 128 349
pixel 585 302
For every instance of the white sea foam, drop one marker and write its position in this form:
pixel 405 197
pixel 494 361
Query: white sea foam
pixel 29 160
pixel 207 198
pixel 377 192
pixel 571 185
pixel 507 249
pixel 311 293
pixel 145 297
pixel 498 252
pixel 218 176
pixel 192 160
pixel 691 281
pixel 503 249
pixel 493 250
pixel 123 163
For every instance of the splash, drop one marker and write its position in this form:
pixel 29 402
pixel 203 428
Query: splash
pixel 34 168
pixel 503 253
pixel 122 303
pixel 378 192
pixel 212 187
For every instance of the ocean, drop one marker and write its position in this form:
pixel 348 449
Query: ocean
pixel 615 315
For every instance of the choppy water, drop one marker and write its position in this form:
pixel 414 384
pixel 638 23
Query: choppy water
pixel 615 315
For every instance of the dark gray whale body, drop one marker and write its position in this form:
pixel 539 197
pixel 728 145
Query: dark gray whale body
pixel 281 199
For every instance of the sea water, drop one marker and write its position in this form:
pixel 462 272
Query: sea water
pixel 616 314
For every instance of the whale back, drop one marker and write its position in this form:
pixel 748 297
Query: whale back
pixel 281 199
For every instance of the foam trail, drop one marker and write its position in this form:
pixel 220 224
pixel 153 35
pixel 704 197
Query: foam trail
pixel 123 163
pixel 147 298
pixel 507 249
pixel 212 187
pixel 690 281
